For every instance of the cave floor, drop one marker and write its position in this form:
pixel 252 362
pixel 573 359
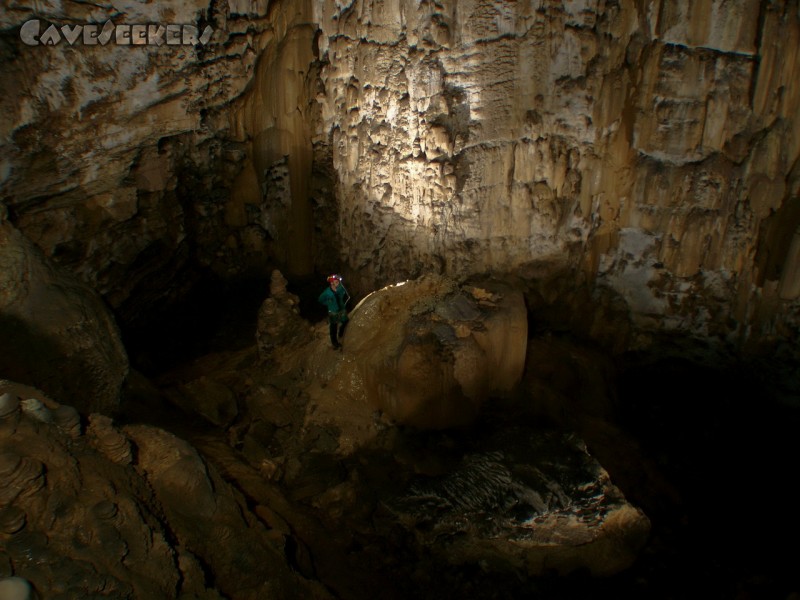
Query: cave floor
pixel 715 509
pixel 712 473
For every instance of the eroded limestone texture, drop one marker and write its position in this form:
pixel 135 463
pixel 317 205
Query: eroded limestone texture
pixel 645 145
pixel 645 149
pixel 107 159
pixel 83 515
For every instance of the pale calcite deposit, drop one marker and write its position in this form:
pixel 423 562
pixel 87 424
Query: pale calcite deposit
pixel 645 150
pixel 649 143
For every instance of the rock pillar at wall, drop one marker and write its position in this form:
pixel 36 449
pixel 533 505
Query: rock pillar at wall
pixel 273 119
pixel 642 144
pixel 127 164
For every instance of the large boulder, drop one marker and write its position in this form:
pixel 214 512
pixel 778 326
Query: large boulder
pixel 430 352
pixel 58 334
pixel 427 353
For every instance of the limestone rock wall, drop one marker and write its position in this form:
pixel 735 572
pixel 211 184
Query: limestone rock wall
pixel 648 148
pixel 644 150
pixel 109 157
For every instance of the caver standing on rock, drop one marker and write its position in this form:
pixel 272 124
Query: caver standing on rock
pixel 335 298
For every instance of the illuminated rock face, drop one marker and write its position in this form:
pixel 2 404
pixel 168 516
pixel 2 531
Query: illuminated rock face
pixel 109 158
pixel 646 148
pixel 650 146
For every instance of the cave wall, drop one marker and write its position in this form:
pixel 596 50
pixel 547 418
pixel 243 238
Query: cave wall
pixel 646 148
pixel 109 159
pixel 640 155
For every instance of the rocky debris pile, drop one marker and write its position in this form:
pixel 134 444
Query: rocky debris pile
pixel 130 512
pixel 426 353
pixel 330 447
pixel 330 429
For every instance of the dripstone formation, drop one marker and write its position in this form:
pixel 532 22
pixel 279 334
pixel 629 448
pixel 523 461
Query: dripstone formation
pixel 646 152
pixel 526 198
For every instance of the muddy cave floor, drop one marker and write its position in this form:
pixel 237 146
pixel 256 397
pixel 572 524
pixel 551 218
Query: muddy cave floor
pixel 714 460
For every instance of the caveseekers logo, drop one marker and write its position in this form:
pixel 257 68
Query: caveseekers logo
pixel 123 35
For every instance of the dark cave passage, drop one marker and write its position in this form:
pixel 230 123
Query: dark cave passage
pixel 725 440
pixel 214 315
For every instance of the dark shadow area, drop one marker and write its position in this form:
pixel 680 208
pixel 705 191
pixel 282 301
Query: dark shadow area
pixel 213 315
pixel 308 289
pixel 38 359
pixel 720 437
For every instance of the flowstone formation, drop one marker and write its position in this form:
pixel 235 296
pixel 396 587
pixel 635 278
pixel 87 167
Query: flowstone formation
pixel 644 148
pixel 134 512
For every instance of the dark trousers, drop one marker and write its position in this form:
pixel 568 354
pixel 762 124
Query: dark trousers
pixel 336 329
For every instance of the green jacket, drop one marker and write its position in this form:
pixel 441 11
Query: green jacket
pixel 335 302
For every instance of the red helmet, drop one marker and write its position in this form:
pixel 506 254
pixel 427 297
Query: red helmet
pixel 334 277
